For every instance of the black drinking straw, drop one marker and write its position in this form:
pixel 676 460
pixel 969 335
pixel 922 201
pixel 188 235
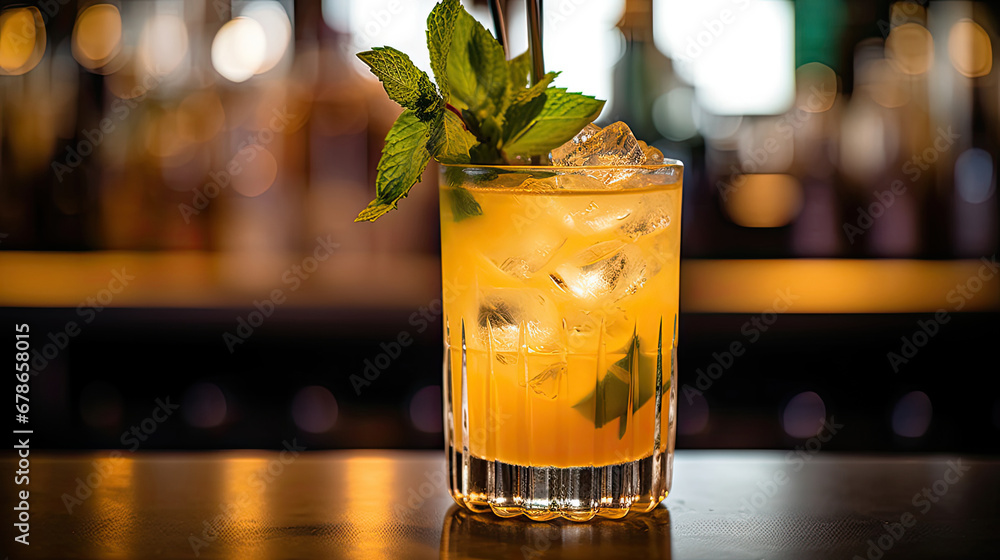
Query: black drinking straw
pixel 500 25
pixel 535 39
pixel 535 48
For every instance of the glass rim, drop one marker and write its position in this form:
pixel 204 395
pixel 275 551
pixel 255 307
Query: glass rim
pixel 667 163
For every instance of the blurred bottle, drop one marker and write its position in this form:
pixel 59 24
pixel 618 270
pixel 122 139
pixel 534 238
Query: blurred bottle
pixel 46 174
pixel 260 217
pixel 659 107
pixel 882 127
pixel 351 117
pixel 975 219
pixel 648 96
pixel 641 76
pixel 812 126
pixel 335 147
pixel 963 94
pixel 68 214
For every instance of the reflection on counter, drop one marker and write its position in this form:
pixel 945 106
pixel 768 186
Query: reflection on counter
pixel 469 535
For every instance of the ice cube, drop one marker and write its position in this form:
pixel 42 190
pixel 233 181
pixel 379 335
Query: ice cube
pixel 531 252
pixel 568 153
pixel 511 317
pixel 662 253
pixel 649 216
pixel 653 155
pixel 587 329
pixel 593 215
pixel 567 182
pixel 548 381
pixel 609 269
pixel 614 145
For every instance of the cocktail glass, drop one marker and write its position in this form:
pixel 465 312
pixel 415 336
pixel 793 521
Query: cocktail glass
pixel 560 293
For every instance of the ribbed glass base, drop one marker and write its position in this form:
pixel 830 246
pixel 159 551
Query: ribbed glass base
pixel 575 493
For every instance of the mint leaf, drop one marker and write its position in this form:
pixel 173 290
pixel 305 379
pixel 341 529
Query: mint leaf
pixel 440 28
pixel 525 95
pixel 561 117
pixel 404 158
pixel 519 68
pixel 459 77
pixel 610 399
pixel 485 132
pixel 476 69
pixel 403 81
pixel 478 85
pixel 521 115
pixel 449 141
pixel 463 204
pixel 623 369
pixel 525 104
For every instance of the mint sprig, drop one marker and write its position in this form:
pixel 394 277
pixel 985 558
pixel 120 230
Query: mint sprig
pixel 404 158
pixel 482 109
pixel 403 81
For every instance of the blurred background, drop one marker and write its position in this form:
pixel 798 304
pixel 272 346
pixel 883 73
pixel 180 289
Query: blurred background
pixel 173 173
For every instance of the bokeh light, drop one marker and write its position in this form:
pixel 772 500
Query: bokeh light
pixel 425 409
pixel 970 49
pixel 817 87
pixel 162 135
pixel 200 116
pixel 765 145
pixel 239 49
pixel 975 180
pixel 762 200
pixel 912 415
pixel 97 36
pixel 868 140
pixel 204 405
pixel 884 82
pixel 751 52
pixel 314 409
pixel 258 170
pixel 22 40
pixel 277 29
pixel 130 82
pixel 693 414
pixel 673 114
pixel 804 415
pixel 911 48
pixel 163 45
pixel 720 128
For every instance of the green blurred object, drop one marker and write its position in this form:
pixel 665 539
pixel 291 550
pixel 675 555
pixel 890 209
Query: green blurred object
pixel 818 28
